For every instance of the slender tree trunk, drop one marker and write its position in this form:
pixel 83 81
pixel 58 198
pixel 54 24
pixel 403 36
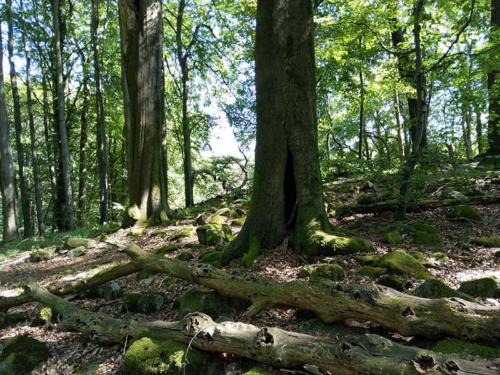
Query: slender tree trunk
pixel 479 132
pixel 361 114
pixel 142 38
pixel 494 83
pixel 82 164
pixel 287 194
pixel 34 154
pixel 23 183
pixel 102 148
pixel 7 176
pixel 67 220
pixel 399 129
pixel 466 129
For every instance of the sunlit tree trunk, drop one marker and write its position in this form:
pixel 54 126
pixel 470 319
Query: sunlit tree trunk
pixel 142 38
pixel 494 83
pixel 7 177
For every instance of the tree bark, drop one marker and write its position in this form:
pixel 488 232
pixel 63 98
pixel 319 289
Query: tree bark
pixel 494 84
pixel 66 220
pixel 102 148
pixel 287 195
pixel 367 354
pixel 142 37
pixel 82 163
pixel 479 132
pixel 23 184
pixel 7 177
pixel 361 114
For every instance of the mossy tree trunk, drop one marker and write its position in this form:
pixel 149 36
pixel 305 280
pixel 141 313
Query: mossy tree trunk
pixel 142 39
pixel 366 354
pixel 287 195
pixel 494 83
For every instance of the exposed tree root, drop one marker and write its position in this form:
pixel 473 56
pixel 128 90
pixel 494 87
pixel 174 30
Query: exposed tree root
pixel 366 354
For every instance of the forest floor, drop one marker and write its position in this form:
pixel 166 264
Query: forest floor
pixel 73 352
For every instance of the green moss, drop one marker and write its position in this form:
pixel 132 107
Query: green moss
pixel 211 257
pixel 217 219
pixel 428 239
pixel 317 272
pixel 257 371
pixel 201 300
pixel 392 238
pixel 253 251
pixel 167 248
pixel 440 256
pixel 397 282
pixel 39 256
pixel 484 287
pixel 372 272
pixel 77 252
pixel 367 259
pixel 214 234
pixel 154 357
pixel 143 302
pixel 400 262
pixel 137 231
pixel 15 359
pixel 493 241
pixel 422 227
pixel 158 233
pixel 418 255
pixel 74 242
pixel 455 346
pixel 329 244
pixel 185 256
pixel 185 232
pixel 43 318
pixel 464 212
pixel 434 288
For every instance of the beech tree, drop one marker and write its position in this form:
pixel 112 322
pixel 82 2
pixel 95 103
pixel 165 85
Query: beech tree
pixel 493 83
pixel 142 39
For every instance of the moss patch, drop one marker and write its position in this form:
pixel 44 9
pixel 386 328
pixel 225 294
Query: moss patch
pixel 434 288
pixel 392 238
pixel 493 241
pixel 257 371
pixel 329 271
pixel 455 346
pixel 143 302
pixel 15 359
pixel 464 212
pixel 214 234
pixel 74 242
pixel 211 257
pixel 167 248
pixel 400 262
pixel 397 282
pixel 39 256
pixel 484 287
pixel 329 244
pixel 372 272
pixel 201 300
pixel 188 231
pixel 185 256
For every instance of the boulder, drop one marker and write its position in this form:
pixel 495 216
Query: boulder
pixel 74 242
pixel 39 256
pixel 21 355
pixel 167 248
pixel 372 272
pixel 77 252
pixel 328 271
pixel 201 300
pixel 185 232
pixel 397 282
pixel 434 288
pixel 400 262
pixel 464 212
pixel 484 287
pixel 143 302
pixel 214 234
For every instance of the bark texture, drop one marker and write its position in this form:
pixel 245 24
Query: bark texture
pixel 367 354
pixel 494 83
pixel 142 38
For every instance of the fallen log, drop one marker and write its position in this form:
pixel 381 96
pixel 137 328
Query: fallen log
pixel 406 314
pixel 419 206
pixel 14 298
pixel 366 354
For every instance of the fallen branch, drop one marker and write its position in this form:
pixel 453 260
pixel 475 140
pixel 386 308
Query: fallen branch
pixel 419 206
pixel 367 354
pixel 19 297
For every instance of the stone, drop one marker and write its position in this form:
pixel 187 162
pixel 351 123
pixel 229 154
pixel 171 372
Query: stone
pixel 464 212
pixel 211 257
pixel 493 241
pixel 39 256
pixel 167 248
pixel 185 232
pixel 488 287
pixel 143 302
pixel 372 272
pixel 434 288
pixel 77 252
pixel 201 300
pixel 329 244
pixel 328 271
pixel 75 242
pixel 15 359
pixel 214 234
pixel 395 282
pixel 400 262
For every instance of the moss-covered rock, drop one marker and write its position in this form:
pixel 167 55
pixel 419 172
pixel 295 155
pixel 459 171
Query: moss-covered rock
pixel 43 318
pixel 493 241
pixel 399 261
pixel 418 255
pixel 484 287
pixel 137 231
pixel 214 234
pixel 256 371
pixel 154 357
pixel 211 257
pixel 434 288
pixel 397 282
pixel 185 256
pixel 329 244
pixel 201 300
pixel 143 302
pixel 464 212
pixel 74 242
pixel 21 355
pixel 440 256
pixel 456 346
pixel 328 271
pixel 110 291
pixel 392 238
pixel 77 252
pixel 39 255
pixel 372 272
pixel 167 248
pixel 367 259
pixel 158 233
pixel 185 232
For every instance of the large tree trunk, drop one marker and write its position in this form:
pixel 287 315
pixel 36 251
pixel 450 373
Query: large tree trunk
pixel 102 148
pixel 82 163
pixel 362 136
pixel 23 184
pixel 65 218
pixel 7 177
pixel 494 83
pixel 142 37
pixel 287 190
pixel 366 354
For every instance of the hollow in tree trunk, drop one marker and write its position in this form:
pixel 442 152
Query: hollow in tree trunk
pixel 287 196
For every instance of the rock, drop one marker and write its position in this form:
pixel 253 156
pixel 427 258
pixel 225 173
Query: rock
pixel 43 318
pixel 257 371
pixel 154 357
pixel 399 261
pixel 317 272
pixel 217 219
pixel 185 232
pixel 425 235
pixel 464 212
pixel 418 255
pixel 214 234
pixel 185 256
pixel 367 259
pixel 434 288
pixel 372 272
pixel 75 242
pixel 39 256
pixel 456 346
pixel 392 238
pixel 143 302
pixel 110 291
pixel 329 244
pixel 202 300
pixel 493 241
pixel 484 287
pixel 21 355
pixel 158 233
pixel 395 282
pixel 440 256
pixel 167 248
pixel 77 252
pixel 211 257
pixel 456 195
pixel 137 231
